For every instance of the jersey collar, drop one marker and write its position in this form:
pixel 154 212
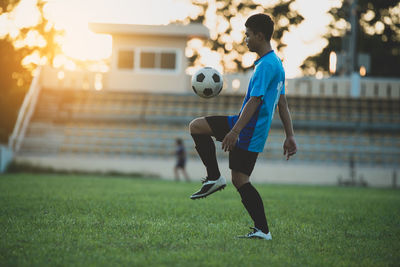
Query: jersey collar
pixel 258 60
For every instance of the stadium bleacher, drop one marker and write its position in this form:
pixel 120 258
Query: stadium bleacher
pixel 89 122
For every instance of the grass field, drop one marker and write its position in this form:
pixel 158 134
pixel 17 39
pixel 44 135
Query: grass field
pixel 70 220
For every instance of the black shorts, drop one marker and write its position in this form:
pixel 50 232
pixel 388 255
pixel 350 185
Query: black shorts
pixel 239 159
pixel 181 163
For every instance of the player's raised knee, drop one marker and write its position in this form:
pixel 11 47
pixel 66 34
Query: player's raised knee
pixel 199 126
pixel 195 126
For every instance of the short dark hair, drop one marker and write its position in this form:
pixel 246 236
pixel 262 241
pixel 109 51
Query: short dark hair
pixel 261 23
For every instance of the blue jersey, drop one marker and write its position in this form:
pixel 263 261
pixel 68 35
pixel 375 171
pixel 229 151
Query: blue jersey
pixel 267 82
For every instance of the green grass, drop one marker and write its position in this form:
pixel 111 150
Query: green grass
pixel 70 220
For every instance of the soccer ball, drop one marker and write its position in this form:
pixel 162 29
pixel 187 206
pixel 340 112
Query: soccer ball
pixel 207 82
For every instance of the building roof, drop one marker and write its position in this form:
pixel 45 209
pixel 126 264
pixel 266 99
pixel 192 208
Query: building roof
pixel 190 30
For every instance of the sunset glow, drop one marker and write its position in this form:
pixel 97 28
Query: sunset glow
pixel 80 43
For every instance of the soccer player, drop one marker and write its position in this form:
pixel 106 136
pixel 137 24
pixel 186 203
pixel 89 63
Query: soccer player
pixel 244 135
pixel 180 154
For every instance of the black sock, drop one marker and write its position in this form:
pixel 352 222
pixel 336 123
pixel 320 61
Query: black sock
pixel 206 149
pixel 252 201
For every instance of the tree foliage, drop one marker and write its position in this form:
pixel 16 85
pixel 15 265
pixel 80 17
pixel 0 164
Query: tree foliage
pixel 378 36
pixel 15 76
pixel 227 40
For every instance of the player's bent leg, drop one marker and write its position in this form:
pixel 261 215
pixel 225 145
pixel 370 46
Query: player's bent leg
pixel 201 133
pixel 200 126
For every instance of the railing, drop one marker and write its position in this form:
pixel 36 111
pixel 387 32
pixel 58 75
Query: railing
pixel 236 83
pixel 341 87
pixel 25 113
pixel 327 87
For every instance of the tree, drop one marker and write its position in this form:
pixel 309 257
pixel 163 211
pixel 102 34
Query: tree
pixel 16 52
pixel 378 36
pixel 11 95
pixel 227 38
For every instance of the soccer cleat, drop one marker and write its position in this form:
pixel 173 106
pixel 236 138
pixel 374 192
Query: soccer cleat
pixel 258 234
pixel 209 187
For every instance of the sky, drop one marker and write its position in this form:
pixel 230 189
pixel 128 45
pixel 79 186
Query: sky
pixel 74 15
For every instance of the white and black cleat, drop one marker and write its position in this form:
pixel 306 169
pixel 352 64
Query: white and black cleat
pixel 257 234
pixel 209 187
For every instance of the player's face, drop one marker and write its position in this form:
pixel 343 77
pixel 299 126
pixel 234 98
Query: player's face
pixel 251 40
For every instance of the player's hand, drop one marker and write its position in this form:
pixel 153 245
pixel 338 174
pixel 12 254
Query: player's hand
pixel 289 147
pixel 229 141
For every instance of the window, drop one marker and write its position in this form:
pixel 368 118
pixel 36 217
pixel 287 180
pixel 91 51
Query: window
pixel 147 60
pixel 158 60
pixel 168 61
pixel 126 59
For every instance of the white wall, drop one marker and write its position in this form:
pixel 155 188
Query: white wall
pixel 149 80
pixel 279 172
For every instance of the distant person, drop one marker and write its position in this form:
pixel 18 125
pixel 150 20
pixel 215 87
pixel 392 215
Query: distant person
pixel 244 135
pixel 180 154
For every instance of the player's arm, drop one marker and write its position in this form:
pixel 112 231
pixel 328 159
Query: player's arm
pixel 230 139
pixel 289 146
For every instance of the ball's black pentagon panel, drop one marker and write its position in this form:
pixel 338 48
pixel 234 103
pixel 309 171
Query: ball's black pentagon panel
pixel 216 78
pixel 200 77
pixel 208 92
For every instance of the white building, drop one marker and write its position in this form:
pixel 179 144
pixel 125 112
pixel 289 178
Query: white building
pixel 149 57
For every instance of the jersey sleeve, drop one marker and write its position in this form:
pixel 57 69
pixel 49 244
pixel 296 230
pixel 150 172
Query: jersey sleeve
pixel 261 80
